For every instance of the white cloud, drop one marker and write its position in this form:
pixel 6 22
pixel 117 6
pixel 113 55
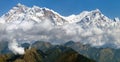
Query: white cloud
pixel 16 48
pixel 60 34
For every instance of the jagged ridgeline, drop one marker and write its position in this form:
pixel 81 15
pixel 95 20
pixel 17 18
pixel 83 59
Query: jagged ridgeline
pixel 53 54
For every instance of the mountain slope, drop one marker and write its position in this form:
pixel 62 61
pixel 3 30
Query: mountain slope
pixel 98 54
pixel 34 55
pixel 65 54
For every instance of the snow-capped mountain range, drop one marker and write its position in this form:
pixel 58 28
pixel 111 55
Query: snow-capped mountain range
pixel 88 27
pixel 21 13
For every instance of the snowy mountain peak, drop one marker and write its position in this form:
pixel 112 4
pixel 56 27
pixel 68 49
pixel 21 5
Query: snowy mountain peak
pixel 117 19
pixel 89 17
pixel 36 14
pixel 96 11
pixel 20 5
pixel 36 7
pixel 94 17
pixel 21 13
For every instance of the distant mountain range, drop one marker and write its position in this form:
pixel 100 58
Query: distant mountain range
pixel 21 13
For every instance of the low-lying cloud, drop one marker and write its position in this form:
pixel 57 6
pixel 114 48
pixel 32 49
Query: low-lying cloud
pixel 16 48
pixel 107 36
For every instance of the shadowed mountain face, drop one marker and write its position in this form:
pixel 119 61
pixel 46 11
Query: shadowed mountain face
pixel 41 45
pixel 98 54
pixel 4 47
pixel 53 54
pixel 65 54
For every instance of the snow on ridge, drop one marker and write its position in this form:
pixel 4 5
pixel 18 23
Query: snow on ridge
pixel 70 19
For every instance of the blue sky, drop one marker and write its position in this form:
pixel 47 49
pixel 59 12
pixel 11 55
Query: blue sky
pixel 110 8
